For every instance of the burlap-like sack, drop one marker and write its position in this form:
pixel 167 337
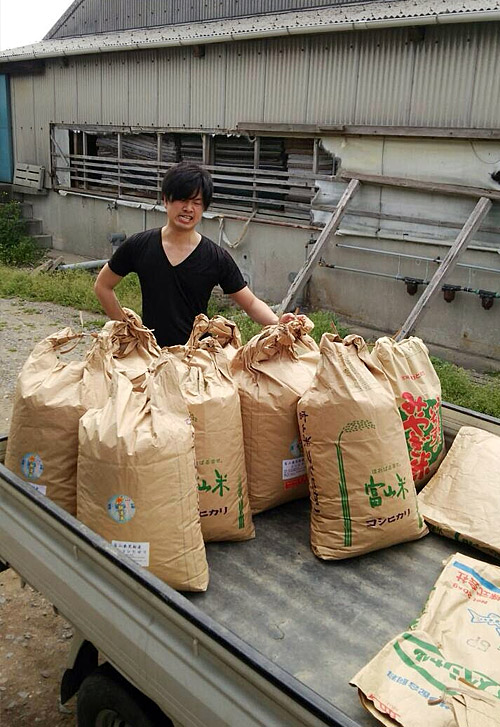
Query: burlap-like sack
pixel 214 405
pixel 462 500
pixel 446 672
pixel 417 389
pixel 51 396
pixel 272 372
pixel 137 477
pixel 362 492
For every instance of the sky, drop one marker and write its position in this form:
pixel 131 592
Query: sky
pixel 23 22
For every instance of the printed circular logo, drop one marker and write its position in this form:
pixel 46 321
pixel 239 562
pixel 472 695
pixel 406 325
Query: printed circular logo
pixel 121 508
pixel 31 466
pixel 296 448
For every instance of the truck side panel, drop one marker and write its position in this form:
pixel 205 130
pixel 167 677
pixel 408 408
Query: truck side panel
pixel 198 672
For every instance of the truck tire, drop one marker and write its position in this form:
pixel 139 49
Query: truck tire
pixel 106 699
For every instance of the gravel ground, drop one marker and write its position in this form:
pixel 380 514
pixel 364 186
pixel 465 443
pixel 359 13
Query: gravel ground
pixel 34 642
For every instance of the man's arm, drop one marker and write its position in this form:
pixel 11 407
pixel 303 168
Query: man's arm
pixel 104 286
pixel 257 309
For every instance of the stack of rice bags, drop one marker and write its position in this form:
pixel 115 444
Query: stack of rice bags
pixel 52 395
pixel 138 483
pixel 272 372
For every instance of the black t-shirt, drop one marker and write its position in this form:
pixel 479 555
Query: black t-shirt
pixel 173 295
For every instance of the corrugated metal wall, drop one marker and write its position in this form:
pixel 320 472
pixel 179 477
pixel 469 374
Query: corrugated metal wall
pixel 98 16
pixel 448 79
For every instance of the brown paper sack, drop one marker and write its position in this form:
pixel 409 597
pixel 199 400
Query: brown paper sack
pixel 272 372
pixel 133 346
pixel 137 477
pixel 417 389
pixel 462 500
pixel 362 493
pixel 51 396
pixel 226 332
pixel 446 672
pixel 214 405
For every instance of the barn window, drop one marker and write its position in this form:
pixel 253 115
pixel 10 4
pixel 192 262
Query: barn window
pixel 274 176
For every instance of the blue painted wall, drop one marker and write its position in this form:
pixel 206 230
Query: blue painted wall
pixel 5 132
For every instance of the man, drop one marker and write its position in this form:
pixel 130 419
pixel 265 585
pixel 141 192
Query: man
pixel 177 267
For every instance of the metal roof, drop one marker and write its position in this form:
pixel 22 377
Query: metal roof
pixel 85 17
pixel 334 18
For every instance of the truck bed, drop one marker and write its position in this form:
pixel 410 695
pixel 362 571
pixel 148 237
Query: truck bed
pixel 278 631
pixel 320 621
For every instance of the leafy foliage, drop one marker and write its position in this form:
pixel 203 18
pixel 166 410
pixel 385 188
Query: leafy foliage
pixel 16 247
pixel 459 388
pixel 66 287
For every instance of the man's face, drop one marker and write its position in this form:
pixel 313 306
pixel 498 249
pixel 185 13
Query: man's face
pixel 184 214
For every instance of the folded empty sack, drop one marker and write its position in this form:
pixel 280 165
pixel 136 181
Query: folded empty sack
pixel 445 671
pixel 462 500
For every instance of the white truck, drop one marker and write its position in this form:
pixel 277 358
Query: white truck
pixel 272 643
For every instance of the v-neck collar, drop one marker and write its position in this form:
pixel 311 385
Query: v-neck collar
pixel 177 265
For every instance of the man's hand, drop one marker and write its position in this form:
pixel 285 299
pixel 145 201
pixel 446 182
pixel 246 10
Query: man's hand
pixel 287 317
pixel 260 311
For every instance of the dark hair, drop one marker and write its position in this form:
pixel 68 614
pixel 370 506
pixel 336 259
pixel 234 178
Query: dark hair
pixel 185 180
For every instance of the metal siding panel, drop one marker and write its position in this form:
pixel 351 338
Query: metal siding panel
pixel 309 79
pixel 143 88
pixel 130 14
pixel 485 108
pixel 245 82
pixel 174 74
pixel 169 16
pixel 65 91
pixel 68 29
pixel 24 119
pixel 331 92
pixel 109 12
pixel 287 75
pixel 444 75
pixel 385 71
pixel 87 18
pixel 115 89
pixel 117 16
pixel 14 119
pixel 208 80
pixel 89 89
pixel 44 113
pixel 156 12
pixel 135 18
